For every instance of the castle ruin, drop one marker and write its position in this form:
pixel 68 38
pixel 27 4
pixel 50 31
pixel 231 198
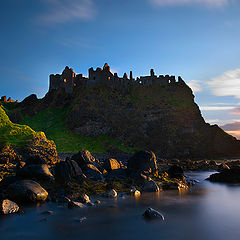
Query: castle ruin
pixel 69 79
pixel 7 100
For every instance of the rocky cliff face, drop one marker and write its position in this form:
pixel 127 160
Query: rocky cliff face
pixel 164 119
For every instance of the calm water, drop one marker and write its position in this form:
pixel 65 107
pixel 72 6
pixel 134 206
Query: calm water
pixel 207 211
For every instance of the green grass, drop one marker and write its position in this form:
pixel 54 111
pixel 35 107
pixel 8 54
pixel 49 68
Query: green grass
pixel 53 124
pixel 14 134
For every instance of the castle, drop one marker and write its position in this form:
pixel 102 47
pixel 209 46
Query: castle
pixel 69 79
pixel 4 99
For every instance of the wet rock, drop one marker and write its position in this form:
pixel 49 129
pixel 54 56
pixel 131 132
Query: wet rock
pixel 92 172
pixel 65 171
pixel 84 198
pixel 8 207
pixel 38 171
pixel 117 175
pixel 48 213
pixel 81 219
pixel 134 192
pixel 222 167
pixel 142 162
pixel 74 204
pixel 26 191
pixel 151 214
pixel 226 176
pixel 97 202
pixel 111 164
pixel 150 186
pixel 176 171
pixel 111 193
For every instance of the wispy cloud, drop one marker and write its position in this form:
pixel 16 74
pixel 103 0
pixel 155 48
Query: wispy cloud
pixel 212 3
pixel 62 11
pixel 195 85
pixel 215 108
pixel 227 84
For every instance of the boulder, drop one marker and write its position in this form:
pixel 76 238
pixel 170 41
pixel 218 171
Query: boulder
pixel 150 186
pixel 142 162
pixel 65 171
pixel 176 171
pixel 82 158
pixel 92 172
pixel 38 171
pixel 8 207
pixel 26 191
pixel 151 214
pixel 226 176
pixel 117 175
pixel 111 193
pixel 84 198
pixel 222 167
pixel 111 164
pixel 134 192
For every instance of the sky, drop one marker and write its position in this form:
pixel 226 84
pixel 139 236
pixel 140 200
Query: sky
pixel 196 39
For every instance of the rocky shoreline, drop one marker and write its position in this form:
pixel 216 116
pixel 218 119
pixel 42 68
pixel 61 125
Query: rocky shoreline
pixel 72 179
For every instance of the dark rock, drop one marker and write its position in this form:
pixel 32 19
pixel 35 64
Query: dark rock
pixel 117 175
pixel 151 214
pixel 175 171
pixel 84 198
pixel 150 186
pixel 74 204
pixel 142 162
pixel 48 213
pixel 111 193
pixel 8 207
pixel 222 167
pixel 81 219
pixel 65 171
pixel 92 172
pixel 26 191
pixel 38 171
pixel 226 176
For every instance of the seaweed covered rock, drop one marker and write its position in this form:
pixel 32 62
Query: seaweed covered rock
pixel 152 214
pixel 26 191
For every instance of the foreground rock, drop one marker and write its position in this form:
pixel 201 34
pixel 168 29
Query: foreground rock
pixel 176 171
pixel 226 176
pixel 38 171
pixel 151 214
pixel 26 191
pixel 150 186
pixel 67 170
pixel 8 207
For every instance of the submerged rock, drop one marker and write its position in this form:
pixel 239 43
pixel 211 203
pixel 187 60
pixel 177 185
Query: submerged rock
pixel 27 191
pixel 151 214
pixel 8 207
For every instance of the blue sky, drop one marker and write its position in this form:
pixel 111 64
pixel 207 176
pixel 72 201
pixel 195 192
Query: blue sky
pixel 197 39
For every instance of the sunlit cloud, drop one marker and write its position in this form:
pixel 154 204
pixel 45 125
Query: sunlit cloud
pixel 232 129
pixel 195 85
pixel 236 111
pixel 213 3
pixel 227 84
pixel 62 11
pixel 215 108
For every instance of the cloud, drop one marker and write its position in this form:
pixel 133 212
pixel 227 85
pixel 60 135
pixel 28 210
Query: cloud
pixel 232 129
pixel 195 86
pixel 62 11
pixel 215 108
pixel 227 84
pixel 213 3
pixel 236 111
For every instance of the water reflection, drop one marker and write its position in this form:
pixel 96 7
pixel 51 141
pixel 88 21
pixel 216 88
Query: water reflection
pixel 206 211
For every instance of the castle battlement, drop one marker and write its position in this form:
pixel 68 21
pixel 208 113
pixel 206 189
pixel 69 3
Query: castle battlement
pixel 69 79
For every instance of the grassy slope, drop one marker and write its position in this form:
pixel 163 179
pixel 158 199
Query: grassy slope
pixel 14 134
pixel 52 122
